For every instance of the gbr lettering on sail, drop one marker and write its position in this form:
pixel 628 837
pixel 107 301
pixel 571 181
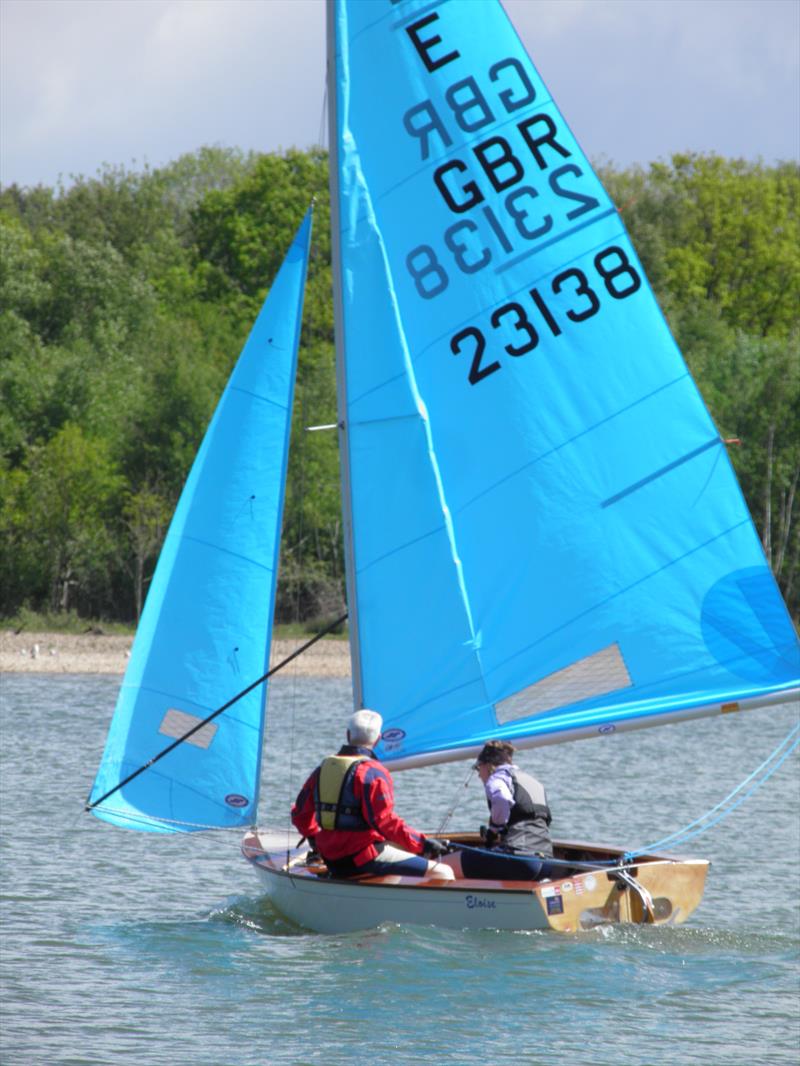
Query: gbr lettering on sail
pixel 516 188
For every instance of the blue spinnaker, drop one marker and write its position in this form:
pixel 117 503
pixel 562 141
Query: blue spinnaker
pixel 206 627
pixel 548 539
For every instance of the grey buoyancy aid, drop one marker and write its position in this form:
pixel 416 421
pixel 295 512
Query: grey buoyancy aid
pixel 334 795
pixel 527 827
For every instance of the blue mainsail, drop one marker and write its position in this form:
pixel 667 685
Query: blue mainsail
pixel 206 627
pixel 546 537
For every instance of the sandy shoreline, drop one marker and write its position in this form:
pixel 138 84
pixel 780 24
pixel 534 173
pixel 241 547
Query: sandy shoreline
pixel 89 653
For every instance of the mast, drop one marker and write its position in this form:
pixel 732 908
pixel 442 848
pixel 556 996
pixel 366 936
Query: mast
pixel 339 333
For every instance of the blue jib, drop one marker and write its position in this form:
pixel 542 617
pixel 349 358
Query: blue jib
pixel 206 628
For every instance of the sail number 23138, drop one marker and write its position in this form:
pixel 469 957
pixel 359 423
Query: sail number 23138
pixel 616 277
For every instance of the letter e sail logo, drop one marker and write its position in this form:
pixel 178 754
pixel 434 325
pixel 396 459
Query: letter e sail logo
pixel 233 799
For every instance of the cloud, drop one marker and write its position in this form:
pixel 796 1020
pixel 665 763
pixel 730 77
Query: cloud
pixel 91 81
pixel 87 82
pixel 640 79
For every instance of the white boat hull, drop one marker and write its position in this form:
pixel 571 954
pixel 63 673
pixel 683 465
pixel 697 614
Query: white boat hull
pixel 341 907
pixel 581 901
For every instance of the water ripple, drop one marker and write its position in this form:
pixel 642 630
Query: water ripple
pixel 121 949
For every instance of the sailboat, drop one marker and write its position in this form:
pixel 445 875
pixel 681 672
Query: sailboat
pixel 544 536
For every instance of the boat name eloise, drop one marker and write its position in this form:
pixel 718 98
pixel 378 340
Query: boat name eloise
pixel 476 901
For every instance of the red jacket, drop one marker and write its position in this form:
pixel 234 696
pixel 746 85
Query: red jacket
pixel 373 789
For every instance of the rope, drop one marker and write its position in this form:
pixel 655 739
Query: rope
pixel 695 828
pixel 449 814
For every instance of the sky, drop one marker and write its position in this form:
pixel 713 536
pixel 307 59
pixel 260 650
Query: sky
pixel 85 83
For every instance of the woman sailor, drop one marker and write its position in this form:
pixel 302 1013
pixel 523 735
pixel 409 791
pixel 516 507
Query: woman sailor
pixel 519 815
pixel 516 843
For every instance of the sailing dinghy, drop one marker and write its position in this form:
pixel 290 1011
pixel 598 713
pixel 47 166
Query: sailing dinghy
pixel 544 536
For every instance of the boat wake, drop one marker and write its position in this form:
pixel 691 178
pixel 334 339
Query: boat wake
pixel 254 913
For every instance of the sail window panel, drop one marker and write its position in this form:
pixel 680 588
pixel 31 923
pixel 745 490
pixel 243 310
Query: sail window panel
pixel 677 659
pixel 187 789
pixel 177 723
pixel 595 675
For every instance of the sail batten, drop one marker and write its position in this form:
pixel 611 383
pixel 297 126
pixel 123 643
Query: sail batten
pixel 693 454
pixel 206 627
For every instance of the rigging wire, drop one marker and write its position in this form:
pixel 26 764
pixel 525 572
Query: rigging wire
pixel 767 768
pixel 456 797
pixel 759 777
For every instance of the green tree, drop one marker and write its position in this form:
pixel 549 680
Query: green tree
pixel 720 230
pixel 718 239
pixel 242 234
pixel 146 516
pixel 64 502
pixel 126 298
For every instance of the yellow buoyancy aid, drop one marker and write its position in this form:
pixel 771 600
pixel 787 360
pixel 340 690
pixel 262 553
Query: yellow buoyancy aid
pixel 334 799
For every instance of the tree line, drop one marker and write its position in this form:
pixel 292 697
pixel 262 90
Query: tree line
pixel 126 298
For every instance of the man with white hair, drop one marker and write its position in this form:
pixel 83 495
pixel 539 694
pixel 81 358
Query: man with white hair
pixel 346 811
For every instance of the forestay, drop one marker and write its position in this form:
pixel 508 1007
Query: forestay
pixel 548 539
pixel 206 627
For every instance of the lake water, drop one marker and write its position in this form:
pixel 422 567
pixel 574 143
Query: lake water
pixel 125 948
